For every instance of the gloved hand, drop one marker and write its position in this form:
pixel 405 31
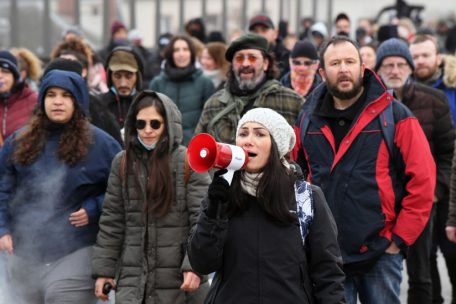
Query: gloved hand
pixel 219 194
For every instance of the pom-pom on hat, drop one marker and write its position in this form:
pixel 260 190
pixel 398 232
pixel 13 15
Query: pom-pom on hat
pixel 247 41
pixel 304 49
pixel 8 61
pixel 393 47
pixel 276 124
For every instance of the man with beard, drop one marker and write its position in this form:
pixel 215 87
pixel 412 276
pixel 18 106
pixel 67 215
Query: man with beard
pixel 434 69
pixel 395 66
pixel 250 84
pixel 125 72
pixel 438 71
pixel 360 146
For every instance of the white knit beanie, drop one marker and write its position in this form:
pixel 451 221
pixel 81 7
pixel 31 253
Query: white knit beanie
pixel 275 123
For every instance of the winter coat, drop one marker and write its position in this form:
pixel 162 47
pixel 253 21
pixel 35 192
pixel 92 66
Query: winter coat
pixel 146 254
pixel 375 197
pixel 36 200
pixel 117 106
pixel 430 106
pixel 258 260
pixel 16 110
pixel 189 93
pixel 103 119
pixel 447 83
pixel 223 110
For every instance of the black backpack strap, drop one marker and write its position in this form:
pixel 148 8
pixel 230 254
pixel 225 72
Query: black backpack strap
pixel 388 127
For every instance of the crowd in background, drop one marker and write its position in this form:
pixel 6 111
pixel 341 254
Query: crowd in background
pixel 190 83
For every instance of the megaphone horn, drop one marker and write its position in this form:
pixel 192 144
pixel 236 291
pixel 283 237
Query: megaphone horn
pixel 204 153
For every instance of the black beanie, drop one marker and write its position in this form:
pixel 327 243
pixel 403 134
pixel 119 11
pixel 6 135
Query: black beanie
pixel 247 41
pixel 304 49
pixel 64 65
pixel 8 61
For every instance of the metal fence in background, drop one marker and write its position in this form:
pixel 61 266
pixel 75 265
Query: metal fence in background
pixel 38 24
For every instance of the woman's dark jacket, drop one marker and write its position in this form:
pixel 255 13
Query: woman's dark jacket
pixel 258 260
pixel 147 255
pixel 36 200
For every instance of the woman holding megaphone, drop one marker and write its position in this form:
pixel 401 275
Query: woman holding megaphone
pixel 151 203
pixel 269 236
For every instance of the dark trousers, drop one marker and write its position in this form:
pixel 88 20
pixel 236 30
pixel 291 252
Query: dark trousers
pixel 449 253
pixel 418 265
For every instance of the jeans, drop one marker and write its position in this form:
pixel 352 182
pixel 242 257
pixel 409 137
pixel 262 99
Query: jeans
pixel 380 285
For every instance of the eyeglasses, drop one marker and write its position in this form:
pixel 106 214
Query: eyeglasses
pixel 390 66
pixel 154 124
pixel 241 57
pixel 303 62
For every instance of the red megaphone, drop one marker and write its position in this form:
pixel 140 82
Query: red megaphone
pixel 204 153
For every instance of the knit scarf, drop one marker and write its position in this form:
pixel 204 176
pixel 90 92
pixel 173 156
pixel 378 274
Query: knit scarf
pixel 249 182
pixel 178 74
pixel 301 80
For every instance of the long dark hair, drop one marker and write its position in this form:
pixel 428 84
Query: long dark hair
pixel 73 144
pixel 159 188
pixel 275 191
pixel 169 51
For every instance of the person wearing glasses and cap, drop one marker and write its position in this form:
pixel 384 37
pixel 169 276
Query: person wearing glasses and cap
pixel 304 62
pixel 250 84
pixel 152 202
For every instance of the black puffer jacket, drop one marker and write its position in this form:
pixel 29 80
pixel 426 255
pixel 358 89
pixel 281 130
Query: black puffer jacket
pixel 147 255
pixel 260 261
pixel 431 108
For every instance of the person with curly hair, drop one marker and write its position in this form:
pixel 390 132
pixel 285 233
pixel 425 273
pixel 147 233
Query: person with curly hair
pixel 53 177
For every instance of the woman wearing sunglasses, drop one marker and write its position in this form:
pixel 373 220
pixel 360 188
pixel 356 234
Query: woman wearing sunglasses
pixel 303 76
pixel 151 203
pixel 263 245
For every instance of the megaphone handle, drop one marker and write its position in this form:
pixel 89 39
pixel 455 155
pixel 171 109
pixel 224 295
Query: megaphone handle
pixel 228 176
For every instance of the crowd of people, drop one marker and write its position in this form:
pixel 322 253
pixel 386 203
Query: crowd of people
pixel 351 168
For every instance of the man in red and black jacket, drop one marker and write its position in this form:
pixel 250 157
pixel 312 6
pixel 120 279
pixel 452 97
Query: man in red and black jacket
pixel 381 197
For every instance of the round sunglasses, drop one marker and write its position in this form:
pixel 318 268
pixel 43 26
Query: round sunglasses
pixel 154 124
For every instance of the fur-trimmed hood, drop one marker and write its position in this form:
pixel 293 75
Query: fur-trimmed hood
pixel 449 71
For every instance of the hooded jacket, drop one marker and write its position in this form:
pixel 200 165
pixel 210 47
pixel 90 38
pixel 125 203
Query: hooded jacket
pixel 147 255
pixel 447 83
pixel 375 197
pixel 36 200
pixel 111 100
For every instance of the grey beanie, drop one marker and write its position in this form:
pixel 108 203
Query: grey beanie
pixel 393 47
pixel 276 124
